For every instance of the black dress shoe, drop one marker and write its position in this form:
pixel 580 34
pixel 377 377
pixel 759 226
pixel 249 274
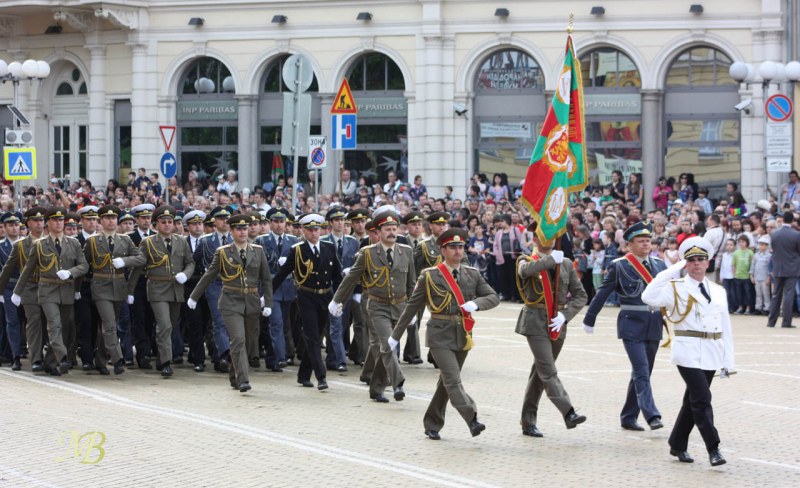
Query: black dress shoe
pixel 64 367
pixel 715 458
pixel 322 384
pixel 145 364
pixel 475 427
pixel 281 365
pixel 199 368
pixel 86 367
pixel 433 435
pixel 655 423
pixel 306 383
pixel 532 431
pixel 178 360
pixel 276 369
pixel 572 419
pixel 16 365
pixel 37 367
pixel 103 370
pixel 342 368
pixel 166 370
pixel 244 386
pixel 633 426
pixel 223 366
pixel 128 364
pixel 782 327
pixel 399 394
pixel 53 372
pixel 119 367
pixel 365 380
pixel 416 361
pixel 290 361
pixel 682 456
pixel 255 363
pixel 379 398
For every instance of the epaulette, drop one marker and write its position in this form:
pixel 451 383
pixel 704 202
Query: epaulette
pixel 622 258
pixel 226 245
pixel 403 245
pixel 350 237
pixel 326 242
pixel 257 245
pixel 297 244
pixel 469 267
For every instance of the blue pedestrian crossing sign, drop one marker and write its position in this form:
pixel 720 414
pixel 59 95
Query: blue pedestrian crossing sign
pixel 19 163
pixel 343 131
pixel 169 165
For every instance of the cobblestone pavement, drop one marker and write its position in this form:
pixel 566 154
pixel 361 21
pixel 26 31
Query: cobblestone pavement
pixel 193 430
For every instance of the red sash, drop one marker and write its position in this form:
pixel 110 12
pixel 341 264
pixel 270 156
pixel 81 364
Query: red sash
pixel 639 267
pixel 469 321
pixel 547 291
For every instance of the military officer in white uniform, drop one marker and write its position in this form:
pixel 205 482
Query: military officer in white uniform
pixel 703 342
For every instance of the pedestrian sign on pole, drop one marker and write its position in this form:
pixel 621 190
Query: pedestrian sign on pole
pixel 344 103
pixel 19 163
pixel 167 135
pixel 343 130
pixel 317 157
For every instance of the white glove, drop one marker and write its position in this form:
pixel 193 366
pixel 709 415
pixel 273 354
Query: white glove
pixel 16 299
pixel 281 260
pixel 675 270
pixel 558 256
pixel 266 312
pixel 130 299
pixel 723 373
pixel 469 307
pixel 345 271
pixel 557 323
pixel 414 319
pixel 263 303
pixel 181 278
pixel 118 263
pixel 393 344
pixel 357 297
pixel 63 274
pixel 77 295
pixel 588 329
pixel 191 304
pixel 2 299
pixel 335 309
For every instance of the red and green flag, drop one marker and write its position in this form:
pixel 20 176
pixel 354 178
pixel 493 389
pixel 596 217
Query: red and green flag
pixel 558 163
pixel 277 167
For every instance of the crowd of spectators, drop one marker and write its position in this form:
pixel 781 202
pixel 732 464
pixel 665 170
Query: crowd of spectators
pixel 494 216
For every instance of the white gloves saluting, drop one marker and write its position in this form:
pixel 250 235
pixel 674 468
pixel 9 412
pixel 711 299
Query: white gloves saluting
pixel 335 309
pixel 674 271
pixel 468 307
pixel 118 263
pixel 557 323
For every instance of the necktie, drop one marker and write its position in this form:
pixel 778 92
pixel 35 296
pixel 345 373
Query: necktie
pixel 224 240
pixel 339 249
pixel 705 293
pixel 58 246
pixel 646 264
pixel 169 245
pixel 316 251
pixel 415 243
pixel 111 244
pixel 389 258
pixel 241 255
pixel 280 243
pixel 455 274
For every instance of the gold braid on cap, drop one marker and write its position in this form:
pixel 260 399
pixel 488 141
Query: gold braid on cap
pixel 432 291
pixel 535 283
pixel 106 257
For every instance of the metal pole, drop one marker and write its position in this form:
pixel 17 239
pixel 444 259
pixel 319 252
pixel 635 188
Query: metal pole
pixel 296 126
pixel 765 91
pixel 316 190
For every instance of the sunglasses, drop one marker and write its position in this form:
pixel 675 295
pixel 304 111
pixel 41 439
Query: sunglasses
pixel 696 260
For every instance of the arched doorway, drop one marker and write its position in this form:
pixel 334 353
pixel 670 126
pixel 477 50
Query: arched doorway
pixel 510 107
pixel 69 123
pixel 702 129
pixel 613 114
pixel 208 119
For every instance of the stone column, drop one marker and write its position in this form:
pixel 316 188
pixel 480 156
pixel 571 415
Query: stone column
pixel 98 158
pixel 652 144
pixel 145 137
pixel 249 159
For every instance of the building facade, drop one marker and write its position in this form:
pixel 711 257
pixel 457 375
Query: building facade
pixel 444 88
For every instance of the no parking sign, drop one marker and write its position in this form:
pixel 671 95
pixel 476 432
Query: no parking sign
pixel 317 152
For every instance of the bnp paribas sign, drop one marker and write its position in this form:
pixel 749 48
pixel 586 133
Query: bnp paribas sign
pixel 208 110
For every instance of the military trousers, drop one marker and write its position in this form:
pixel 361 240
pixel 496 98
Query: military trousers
pixel 411 349
pixel 544 376
pixel 369 360
pixel 166 314
pixel 33 330
pixel 642 355
pixel 56 315
pixel 13 324
pixel 108 341
pixel 87 321
pixel 696 410
pixel 449 387
pixel 243 331
pixel 387 367
pixel 314 313
pixel 142 323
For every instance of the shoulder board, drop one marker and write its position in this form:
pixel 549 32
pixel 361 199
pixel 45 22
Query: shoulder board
pixel 656 259
pixel 39 240
pixel 403 245
pixel 469 267
pixel 326 242
pixel 295 245
pixel 623 258
pixel 351 238
pixel 256 245
pixel 75 238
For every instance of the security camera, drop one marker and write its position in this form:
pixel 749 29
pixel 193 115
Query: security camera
pixel 459 109
pixel 743 105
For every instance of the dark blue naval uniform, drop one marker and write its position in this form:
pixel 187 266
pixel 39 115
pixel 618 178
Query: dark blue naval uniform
pixel 346 249
pixel 276 247
pixel 639 326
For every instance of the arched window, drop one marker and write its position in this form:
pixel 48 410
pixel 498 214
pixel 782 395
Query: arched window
pixel 613 114
pixel 208 119
pixel 701 129
pixel 509 107
pixel 375 72
pixel 69 136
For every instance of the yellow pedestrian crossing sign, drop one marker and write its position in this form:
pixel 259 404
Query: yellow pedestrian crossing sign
pixel 19 163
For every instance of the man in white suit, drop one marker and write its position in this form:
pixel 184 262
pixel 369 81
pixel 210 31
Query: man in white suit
pixel 703 342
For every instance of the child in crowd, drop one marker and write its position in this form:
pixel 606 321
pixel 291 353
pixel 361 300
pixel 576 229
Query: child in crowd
pixel 596 261
pixel 671 255
pixel 759 275
pixel 726 274
pixel 607 197
pixel 478 245
pixel 742 261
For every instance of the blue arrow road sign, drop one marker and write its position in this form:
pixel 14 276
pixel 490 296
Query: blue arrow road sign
pixel 169 165
pixel 343 129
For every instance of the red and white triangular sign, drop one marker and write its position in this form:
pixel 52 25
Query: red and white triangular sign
pixel 167 135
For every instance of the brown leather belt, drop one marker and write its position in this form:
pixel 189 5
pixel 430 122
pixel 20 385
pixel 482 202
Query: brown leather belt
pixel 244 290
pixel 56 281
pixel 109 276
pixel 701 335
pixel 160 278
pixel 390 301
pixel 318 291
pixel 439 316
pixel 543 306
